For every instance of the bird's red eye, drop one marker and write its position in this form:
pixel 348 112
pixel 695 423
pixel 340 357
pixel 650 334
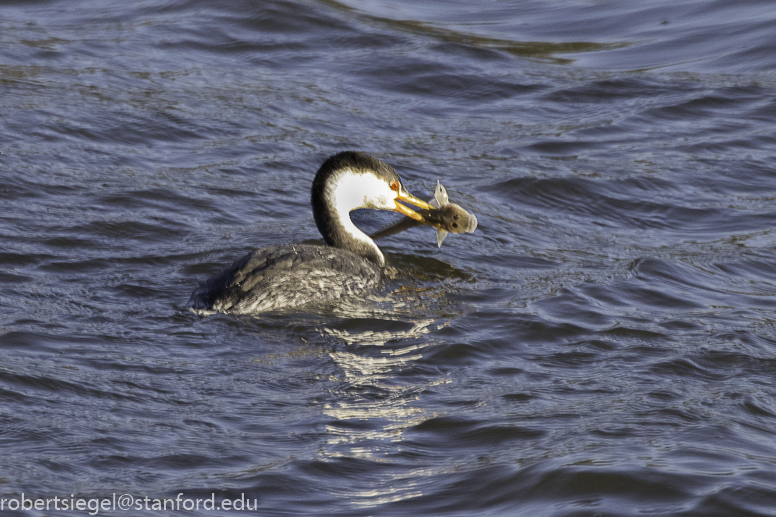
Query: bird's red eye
pixel 395 185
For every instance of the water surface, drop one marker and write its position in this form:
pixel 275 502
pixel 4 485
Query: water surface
pixel 603 344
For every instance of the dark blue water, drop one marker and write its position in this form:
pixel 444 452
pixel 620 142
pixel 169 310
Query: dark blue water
pixel 603 344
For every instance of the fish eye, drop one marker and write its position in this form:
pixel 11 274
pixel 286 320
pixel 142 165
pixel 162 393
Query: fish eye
pixel 455 225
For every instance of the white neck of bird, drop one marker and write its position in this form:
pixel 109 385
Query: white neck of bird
pixel 352 191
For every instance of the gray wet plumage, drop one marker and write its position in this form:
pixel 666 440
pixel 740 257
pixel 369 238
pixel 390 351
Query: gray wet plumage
pixel 286 276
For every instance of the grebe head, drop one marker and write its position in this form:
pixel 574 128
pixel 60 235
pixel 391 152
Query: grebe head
pixel 352 180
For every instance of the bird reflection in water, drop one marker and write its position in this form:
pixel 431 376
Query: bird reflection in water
pixel 374 404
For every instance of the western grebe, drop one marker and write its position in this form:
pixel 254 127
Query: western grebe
pixel 290 275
